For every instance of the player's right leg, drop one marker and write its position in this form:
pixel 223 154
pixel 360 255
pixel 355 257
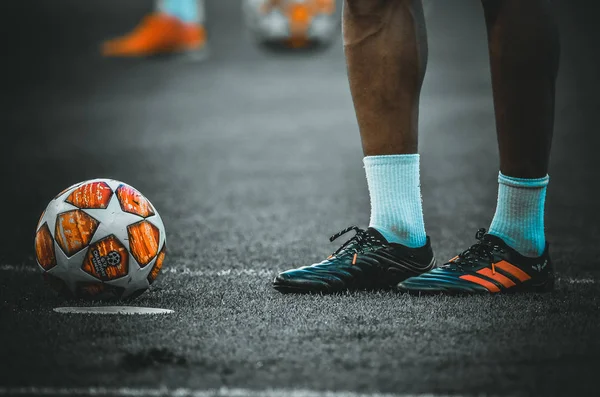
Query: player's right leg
pixel 386 53
pixel 174 26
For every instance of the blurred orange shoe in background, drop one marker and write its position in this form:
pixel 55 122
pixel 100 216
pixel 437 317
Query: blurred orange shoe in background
pixel 158 33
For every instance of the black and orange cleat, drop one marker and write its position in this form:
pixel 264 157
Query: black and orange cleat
pixel 489 266
pixel 366 261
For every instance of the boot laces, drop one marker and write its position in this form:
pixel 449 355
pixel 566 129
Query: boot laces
pixel 472 256
pixel 358 243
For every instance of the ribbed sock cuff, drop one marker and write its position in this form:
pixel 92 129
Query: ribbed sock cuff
pixel 523 182
pixel 393 159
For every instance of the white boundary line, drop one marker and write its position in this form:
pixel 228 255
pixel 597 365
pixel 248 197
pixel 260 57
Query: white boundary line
pixel 178 271
pixel 188 272
pixel 112 310
pixel 571 280
pixel 182 392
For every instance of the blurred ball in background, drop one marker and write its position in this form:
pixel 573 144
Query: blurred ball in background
pixel 294 23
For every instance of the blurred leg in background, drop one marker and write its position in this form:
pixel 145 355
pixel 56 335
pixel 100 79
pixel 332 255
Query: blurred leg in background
pixel 175 26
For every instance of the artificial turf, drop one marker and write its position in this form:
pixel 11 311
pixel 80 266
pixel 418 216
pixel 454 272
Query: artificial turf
pixel 235 331
pixel 253 160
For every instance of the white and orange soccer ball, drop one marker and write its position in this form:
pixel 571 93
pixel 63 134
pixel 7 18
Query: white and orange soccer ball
pixel 100 239
pixel 297 23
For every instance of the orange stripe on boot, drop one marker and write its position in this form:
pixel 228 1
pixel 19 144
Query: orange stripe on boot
pixel 490 286
pixel 507 282
pixel 513 270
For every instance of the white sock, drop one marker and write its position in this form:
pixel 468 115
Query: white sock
pixel 519 217
pixel 395 191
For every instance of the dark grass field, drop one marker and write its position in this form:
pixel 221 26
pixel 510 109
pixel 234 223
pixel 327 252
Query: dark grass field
pixel 253 159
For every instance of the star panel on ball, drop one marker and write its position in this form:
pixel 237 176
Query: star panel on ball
pixel 133 202
pixel 107 259
pixel 44 248
pixel 74 230
pixel 143 241
pixel 91 195
pixel 157 265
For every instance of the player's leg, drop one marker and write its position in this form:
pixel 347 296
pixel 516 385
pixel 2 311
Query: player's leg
pixel 174 26
pixel 524 54
pixel 386 53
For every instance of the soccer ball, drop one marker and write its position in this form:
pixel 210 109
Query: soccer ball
pixel 296 23
pixel 100 239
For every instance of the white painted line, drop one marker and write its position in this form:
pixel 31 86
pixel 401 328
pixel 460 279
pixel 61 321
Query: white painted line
pixel 182 392
pixel 112 310
pixel 178 271
pixel 571 280
pixel 19 268
pixel 184 271
pixel 189 272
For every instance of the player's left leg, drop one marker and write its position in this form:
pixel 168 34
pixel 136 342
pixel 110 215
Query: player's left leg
pixel 524 56
pixel 174 26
